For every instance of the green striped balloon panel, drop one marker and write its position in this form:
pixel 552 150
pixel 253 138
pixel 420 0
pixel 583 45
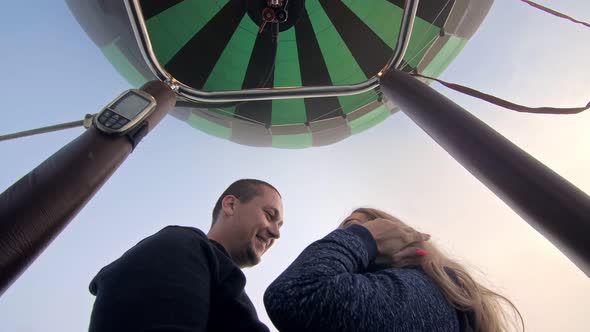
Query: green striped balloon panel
pixel 215 45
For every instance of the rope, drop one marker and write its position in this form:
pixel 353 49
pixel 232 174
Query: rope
pixel 87 122
pixel 504 103
pixel 555 13
pixel 507 104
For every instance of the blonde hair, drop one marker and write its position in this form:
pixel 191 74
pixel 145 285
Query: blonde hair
pixel 461 289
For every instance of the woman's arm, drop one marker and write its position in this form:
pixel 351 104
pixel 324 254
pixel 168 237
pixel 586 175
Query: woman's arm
pixel 326 288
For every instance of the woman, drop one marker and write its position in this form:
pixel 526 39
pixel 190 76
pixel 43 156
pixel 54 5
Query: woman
pixel 369 275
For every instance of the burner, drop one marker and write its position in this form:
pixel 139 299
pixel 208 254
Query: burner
pixel 284 12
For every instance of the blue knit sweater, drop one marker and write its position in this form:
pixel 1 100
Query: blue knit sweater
pixel 329 288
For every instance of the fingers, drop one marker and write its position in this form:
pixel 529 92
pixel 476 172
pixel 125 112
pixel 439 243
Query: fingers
pixel 395 240
pixel 411 235
pixel 410 255
pixel 414 236
pixel 420 237
pixel 409 251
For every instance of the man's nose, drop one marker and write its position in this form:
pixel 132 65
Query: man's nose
pixel 274 231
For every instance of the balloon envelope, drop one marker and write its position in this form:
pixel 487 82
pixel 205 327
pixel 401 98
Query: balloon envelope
pixel 216 45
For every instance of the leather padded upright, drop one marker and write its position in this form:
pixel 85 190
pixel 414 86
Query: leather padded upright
pixel 38 206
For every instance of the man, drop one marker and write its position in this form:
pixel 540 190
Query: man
pixel 183 280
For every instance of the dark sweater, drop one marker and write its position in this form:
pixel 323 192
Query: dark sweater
pixel 175 280
pixel 329 288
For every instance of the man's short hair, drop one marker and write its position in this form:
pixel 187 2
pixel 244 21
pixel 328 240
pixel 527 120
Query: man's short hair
pixel 245 190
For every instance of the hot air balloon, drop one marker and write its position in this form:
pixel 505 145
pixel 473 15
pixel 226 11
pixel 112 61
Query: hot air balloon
pixel 237 66
pixel 274 73
pixel 224 45
pixel 289 74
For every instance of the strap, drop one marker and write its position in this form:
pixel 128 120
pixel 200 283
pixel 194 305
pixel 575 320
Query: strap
pixel 555 13
pixel 135 135
pixel 504 103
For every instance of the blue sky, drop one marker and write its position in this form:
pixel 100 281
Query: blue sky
pixel 53 74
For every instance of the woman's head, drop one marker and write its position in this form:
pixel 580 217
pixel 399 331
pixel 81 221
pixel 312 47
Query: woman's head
pixel 358 216
pixel 462 291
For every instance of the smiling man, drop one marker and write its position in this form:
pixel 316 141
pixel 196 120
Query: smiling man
pixel 180 279
pixel 246 220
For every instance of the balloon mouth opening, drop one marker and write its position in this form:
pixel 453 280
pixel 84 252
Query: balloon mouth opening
pixel 266 13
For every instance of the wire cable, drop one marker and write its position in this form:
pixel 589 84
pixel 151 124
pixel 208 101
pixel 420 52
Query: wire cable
pixel 86 123
pixel 504 103
pixel 555 13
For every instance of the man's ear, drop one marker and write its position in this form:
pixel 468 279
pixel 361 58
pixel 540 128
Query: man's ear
pixel 228 204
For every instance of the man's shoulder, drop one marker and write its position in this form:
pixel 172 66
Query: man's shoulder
pixel 183 231
pixel 175 236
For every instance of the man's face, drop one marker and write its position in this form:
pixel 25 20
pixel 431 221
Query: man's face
pixel 258 222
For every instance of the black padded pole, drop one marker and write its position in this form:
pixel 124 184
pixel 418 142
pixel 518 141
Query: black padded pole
pixel 35 209
pixel 550 204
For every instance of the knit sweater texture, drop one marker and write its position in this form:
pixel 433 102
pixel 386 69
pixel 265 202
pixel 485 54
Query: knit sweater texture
pixel 175 280
pixel 331 287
